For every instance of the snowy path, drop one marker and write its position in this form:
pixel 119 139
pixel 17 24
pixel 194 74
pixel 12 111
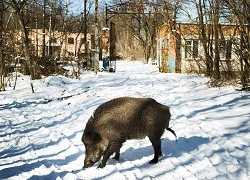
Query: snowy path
pixel 40 134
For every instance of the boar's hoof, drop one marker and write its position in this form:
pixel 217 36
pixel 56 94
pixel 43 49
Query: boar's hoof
pixel 153 161
pixel 101 165
pixel 84 168
pixel 116 157
pixel 160 155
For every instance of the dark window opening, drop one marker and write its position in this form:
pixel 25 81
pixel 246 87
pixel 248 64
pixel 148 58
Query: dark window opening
pixel 71 40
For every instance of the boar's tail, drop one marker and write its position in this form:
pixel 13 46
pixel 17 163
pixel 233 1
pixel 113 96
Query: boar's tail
pixel 172 131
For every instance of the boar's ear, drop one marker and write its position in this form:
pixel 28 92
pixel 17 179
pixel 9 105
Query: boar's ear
pixel 93 137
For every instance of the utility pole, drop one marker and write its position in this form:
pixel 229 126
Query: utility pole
pixel 112 49
pixel 97 36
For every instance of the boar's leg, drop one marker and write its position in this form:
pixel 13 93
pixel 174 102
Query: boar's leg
pixel 156 142
pixel 112 148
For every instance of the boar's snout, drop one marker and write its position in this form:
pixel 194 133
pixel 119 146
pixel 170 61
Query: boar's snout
pixel 88 164
pixel 93 146
pixel 92 156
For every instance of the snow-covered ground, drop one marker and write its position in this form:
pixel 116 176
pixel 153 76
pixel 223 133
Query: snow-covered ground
pixel 40 134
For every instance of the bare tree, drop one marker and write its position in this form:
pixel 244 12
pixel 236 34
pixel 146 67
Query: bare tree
pixel 19 7
pixel 216 71
pixel 97 35
pixel 2 64
pixel 44 28
pixel 211 16
pixel 84 28
pixel 241 16
pixel 204 33
pixel 137 27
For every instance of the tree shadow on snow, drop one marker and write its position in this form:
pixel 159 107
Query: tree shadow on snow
pixel 169 149
pixel 38 162
pixel 11 152
pixel 25 104
pixel 48 160
pixel 27 167
pixel 233 103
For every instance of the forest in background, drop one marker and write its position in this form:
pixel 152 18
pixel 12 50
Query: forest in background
pixel 136 33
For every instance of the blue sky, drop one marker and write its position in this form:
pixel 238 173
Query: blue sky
pixel 76 6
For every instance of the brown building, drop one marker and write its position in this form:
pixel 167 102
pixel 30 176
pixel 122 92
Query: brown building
pixel 57 43
pixel 179 48
pixel 64 44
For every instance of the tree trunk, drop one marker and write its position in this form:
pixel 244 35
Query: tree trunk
pixel 44 42
pixel 97 34
pixel 216 71
pixel 21 16
pixel 37 45
pixel 204 38
pixel 85 30
pixel 25 39
pixel 2 69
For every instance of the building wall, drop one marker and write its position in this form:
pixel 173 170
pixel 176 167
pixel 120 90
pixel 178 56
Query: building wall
pixel 61 43
pixel 65 44
pixel 162 49
pixel 177 38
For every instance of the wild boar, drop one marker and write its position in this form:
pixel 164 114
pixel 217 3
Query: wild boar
pixel 120 119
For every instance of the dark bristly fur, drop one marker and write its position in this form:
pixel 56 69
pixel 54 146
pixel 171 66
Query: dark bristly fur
pixel 120 119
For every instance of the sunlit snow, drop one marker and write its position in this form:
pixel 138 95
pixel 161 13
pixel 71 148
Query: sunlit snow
pixel 40 134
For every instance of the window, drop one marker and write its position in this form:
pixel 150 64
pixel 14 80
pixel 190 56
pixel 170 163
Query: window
pixel 71 40
pixel 164 42
pixel 92 41
pixel 81 40
pixel 195 48
pixel 229 50
pixel 30 40
pixel 53 40
pixel 225 48
pixel 191 49
pixel 222 49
